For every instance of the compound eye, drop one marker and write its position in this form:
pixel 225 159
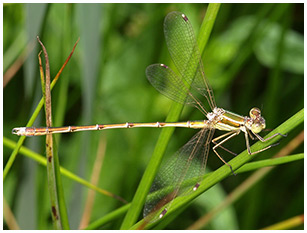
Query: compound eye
pixel 257 128
pixel 255 113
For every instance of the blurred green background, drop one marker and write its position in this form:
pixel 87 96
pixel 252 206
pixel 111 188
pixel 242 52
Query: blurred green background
pixel 254 57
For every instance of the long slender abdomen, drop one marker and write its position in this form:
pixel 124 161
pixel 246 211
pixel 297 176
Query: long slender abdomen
pixel 38 131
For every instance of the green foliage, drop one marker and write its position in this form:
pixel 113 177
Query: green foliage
pixel 105 82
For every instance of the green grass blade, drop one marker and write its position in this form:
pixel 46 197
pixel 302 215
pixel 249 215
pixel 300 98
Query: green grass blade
pixel 59 188
pixel 153 165
pixel 108 218
pixel 207 25
pixel 269 162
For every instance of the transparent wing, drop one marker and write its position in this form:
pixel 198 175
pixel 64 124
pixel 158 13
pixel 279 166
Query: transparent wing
pixel 182 46
pixel 179 175
pixel 169 84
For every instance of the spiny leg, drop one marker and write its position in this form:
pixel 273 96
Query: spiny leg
pixel 269 138
pixel 250 135
pixel 262 140
pixel 232 134
pixel 215 142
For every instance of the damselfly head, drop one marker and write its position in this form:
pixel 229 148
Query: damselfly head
pixel 257 122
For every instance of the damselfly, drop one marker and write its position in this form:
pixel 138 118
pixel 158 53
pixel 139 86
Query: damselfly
pixel 190 161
